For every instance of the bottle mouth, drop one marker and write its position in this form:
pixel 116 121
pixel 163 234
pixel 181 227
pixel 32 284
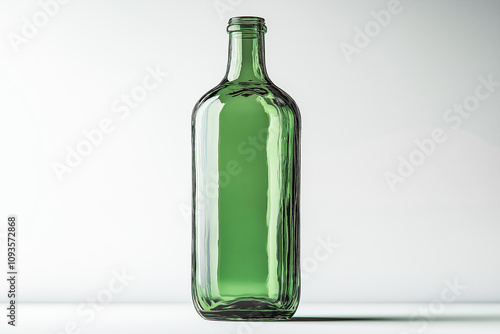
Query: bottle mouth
pixel 246 24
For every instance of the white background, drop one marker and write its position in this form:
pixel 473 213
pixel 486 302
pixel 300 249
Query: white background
pixel 126 205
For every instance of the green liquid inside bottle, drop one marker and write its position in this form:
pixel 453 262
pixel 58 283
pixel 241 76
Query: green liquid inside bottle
pixel 243 202
pixel 246 134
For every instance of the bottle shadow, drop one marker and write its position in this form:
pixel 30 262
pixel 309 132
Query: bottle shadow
pixel 397 318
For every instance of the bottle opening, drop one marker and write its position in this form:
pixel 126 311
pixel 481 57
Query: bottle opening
pixel 246 24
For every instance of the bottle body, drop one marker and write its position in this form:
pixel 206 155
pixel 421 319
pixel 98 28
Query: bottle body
pixel 246 174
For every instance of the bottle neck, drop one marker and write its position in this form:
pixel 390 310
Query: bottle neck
pixel 246 57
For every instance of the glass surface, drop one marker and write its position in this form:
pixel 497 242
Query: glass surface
pixel 246 139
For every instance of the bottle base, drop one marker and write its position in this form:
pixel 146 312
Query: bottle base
pixel 247 311
pixel 245 315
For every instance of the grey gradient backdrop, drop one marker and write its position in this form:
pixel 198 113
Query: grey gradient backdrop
pixel 125 206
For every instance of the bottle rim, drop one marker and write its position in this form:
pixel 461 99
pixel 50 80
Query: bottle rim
pixel 246 24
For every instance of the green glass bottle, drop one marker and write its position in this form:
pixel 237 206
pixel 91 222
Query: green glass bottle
pixel 246 173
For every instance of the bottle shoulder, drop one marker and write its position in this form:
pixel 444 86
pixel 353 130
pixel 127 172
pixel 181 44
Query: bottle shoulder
pixel 240 93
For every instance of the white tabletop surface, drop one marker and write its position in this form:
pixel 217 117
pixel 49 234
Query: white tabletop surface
pixel 35 318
